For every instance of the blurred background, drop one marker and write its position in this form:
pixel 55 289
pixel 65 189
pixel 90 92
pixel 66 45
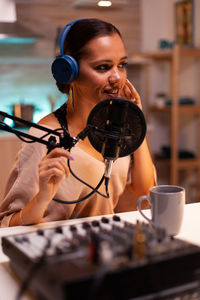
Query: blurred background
pixel 162 38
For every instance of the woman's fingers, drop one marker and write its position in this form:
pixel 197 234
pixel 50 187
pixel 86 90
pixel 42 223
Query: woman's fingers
pixel 60 152
pixel 130 93
pixel 46 175
pixel 54 165
pixel 56 162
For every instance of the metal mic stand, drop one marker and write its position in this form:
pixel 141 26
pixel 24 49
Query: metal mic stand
pixel 65 140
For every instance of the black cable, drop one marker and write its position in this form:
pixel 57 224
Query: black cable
pixel 32 272
pixel 85 183
pixel 23 139
pixel 106 185
pixel 30 276
pixel 10 129
pixel 46 134
pixel 85 197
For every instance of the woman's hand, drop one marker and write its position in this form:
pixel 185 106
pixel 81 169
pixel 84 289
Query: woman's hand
pixel 52 168
pixel 130 93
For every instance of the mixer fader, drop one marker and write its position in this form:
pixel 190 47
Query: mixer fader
pixel 106 258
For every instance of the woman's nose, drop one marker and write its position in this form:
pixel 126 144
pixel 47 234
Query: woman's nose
pixel 114 76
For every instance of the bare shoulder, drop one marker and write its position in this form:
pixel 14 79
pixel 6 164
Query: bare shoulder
pixel 49 120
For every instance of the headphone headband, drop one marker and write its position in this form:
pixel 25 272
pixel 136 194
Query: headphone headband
pixel 63 34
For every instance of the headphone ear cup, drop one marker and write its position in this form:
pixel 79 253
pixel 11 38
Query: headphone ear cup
pixel 64 69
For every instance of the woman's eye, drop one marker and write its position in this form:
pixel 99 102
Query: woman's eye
pixel 123 65
pixel 103 67
pixel 106 67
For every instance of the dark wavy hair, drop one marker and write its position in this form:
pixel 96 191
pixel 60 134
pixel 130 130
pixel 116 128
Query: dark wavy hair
pixel 79 35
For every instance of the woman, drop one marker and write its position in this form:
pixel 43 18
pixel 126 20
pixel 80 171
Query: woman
pixel 38 177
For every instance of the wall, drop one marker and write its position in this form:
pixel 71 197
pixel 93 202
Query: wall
pixel 158 22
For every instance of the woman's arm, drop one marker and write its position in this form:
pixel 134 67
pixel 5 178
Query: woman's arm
pixel 143 175
pixel 143 171
pixel 52 168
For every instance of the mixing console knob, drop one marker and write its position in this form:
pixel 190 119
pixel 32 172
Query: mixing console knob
pixel 116 218
pixel 86 225
pixel 59 229
pixel 95 223
pixel 105 224
pixel 40 232
pixel 73 228
pixel 105 220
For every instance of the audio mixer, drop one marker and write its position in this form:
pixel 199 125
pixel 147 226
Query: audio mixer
pixel 104 259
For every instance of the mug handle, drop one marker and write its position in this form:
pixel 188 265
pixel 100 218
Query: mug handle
pixel 139 202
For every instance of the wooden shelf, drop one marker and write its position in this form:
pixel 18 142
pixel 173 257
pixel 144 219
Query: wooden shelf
pixel 163 55
pixel 189 163
pixel 184 109
pixel 169 54
pixel 192 52
pixel 175 58
pixel 138 60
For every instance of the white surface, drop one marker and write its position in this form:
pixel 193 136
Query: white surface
pixel 9 284
pixel 7 11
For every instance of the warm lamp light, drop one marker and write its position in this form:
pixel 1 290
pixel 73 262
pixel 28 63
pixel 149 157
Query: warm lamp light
pixel 104 3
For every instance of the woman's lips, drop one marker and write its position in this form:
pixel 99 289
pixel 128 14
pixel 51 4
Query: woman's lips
pixel 113 95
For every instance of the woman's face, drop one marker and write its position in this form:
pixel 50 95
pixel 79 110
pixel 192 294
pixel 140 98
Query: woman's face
pixel 102 70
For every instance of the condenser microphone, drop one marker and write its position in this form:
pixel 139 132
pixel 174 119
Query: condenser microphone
pixel 119 129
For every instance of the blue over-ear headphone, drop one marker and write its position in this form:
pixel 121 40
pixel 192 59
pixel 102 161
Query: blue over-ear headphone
pixel 65 67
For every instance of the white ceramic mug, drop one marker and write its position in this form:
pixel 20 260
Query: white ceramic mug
pixel 167 207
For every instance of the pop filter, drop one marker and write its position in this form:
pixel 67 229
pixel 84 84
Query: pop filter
pixel 120 127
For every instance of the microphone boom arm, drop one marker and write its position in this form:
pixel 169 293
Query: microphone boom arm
pixel 65 140
pixel 28 123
